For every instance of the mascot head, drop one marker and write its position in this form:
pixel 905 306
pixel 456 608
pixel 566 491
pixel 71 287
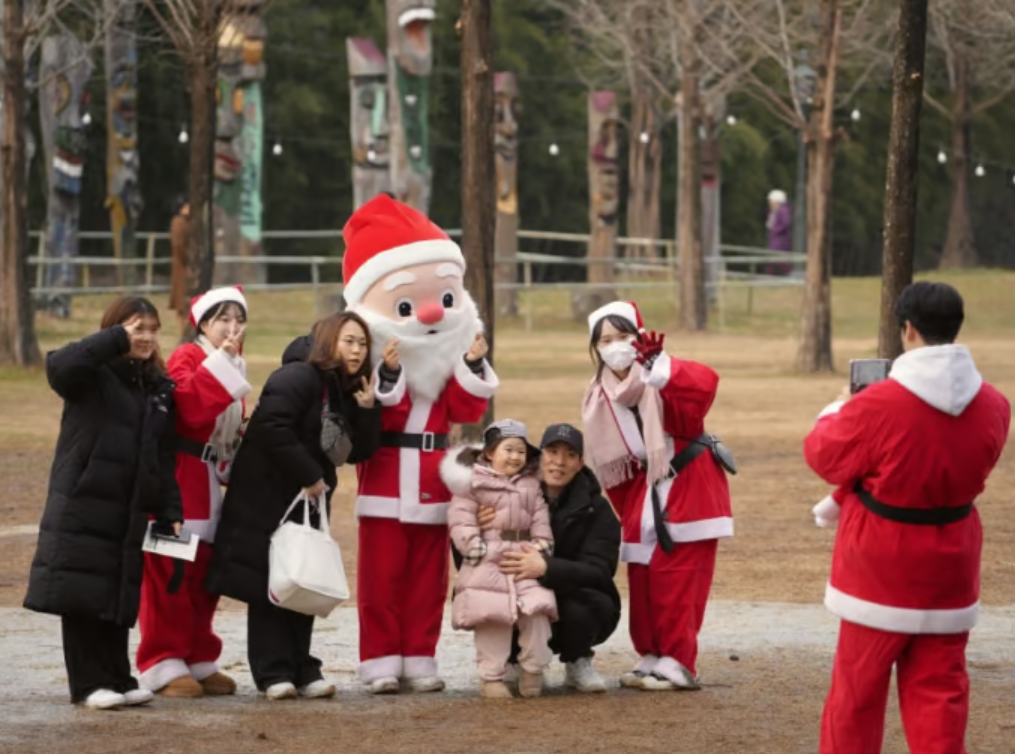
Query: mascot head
pixel 404 276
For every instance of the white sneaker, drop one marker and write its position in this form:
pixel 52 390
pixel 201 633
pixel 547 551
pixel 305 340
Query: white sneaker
pixel 656 683
pixel 425 685
pixel 104 699
pixel 581 676
pixel 386 685
pixel 319 689
pixel 137 697
pixel 633 679
pixel 277 691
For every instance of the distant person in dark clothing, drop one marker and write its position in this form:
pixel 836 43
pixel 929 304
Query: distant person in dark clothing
pixel 780 231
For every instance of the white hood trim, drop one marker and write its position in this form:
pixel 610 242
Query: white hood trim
pixel 944 377
pixel 456 476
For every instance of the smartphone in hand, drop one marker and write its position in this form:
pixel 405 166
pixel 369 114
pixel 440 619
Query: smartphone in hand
pixel 864 372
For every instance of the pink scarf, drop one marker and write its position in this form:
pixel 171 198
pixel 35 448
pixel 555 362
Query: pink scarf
pixel 605 449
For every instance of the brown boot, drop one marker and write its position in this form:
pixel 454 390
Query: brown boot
pixel 495 690
pixel 181 688
pixel 218 684
pixel 530 684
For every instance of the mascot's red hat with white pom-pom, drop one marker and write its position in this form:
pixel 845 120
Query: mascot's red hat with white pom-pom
pixel 404 276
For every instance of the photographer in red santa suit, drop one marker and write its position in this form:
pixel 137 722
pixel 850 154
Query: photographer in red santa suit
pixel 909 455
pixel 404 276
pixel 179 649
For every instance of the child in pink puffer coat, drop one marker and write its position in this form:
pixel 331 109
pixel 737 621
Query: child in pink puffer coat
pixel 500 474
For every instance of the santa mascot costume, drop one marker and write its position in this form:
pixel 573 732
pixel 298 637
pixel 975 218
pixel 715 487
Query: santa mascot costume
pixel 404 276
pixel 179 649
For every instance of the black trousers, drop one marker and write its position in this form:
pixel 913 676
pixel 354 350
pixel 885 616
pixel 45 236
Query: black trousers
pixel 587 619
pixel 97 657
pixel 278 646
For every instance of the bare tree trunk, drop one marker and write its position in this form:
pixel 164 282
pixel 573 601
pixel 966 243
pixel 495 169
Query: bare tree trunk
pixel 692 273
pixel 815 351
pixel 643 175
pixel 201 261
pixel 960 245
pixel 903 163
pixel 479 201
pixel 18 344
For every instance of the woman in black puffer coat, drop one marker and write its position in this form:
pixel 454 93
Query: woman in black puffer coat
pixel 113 469
pixel 281 455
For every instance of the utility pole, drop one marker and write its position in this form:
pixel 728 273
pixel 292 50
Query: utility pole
pixel 479 201
pixel 903 162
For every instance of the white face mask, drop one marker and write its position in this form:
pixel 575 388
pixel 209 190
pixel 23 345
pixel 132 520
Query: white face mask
pixel 618 355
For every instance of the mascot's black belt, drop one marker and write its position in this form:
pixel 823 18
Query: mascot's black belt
pixel 425 441
pixel 919 516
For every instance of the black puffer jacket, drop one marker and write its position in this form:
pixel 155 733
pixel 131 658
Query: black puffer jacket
pixel 280 454
pixel 586 541
pixel 114 465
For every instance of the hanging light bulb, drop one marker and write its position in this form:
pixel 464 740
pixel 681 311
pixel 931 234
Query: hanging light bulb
pixel 855 115
pixel 371 155
pixel 731 120
pixel 86 119
pixel 184 137
pixel 554 150
pixel 941 156
pixel 980 171
pixel 277 149
pixel 644 138
pixel 415 150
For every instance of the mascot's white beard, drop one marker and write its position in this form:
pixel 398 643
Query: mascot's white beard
pixel 428 359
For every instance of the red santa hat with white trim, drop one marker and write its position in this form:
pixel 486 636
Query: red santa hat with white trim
pixel 384 236
pixel 626 310
pixel 201 305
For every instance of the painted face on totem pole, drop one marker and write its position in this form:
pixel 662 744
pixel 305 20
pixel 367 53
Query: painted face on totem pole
pixel 69 140
pixel 369 113
pixel 410 34
pixel 123 101
pixel 507 107
pixel 241 47
pixel 604 119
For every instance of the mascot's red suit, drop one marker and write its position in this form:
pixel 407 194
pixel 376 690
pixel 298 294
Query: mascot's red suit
pixel 404 276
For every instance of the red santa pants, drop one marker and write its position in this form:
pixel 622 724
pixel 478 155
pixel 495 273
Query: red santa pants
pixel 401 588
pixel 177 638
pixel 668 598
pixel 933 691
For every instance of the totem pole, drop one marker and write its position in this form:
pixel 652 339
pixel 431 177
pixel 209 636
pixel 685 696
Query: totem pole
pixel 239 139
pixel 505 138
pixel 711 190
pixel 64 70
pixel 123 191
pixel 410 57
pixel 604 118
pixel 368 119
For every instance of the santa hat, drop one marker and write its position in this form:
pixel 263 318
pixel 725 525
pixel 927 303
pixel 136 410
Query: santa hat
pixel 201 305
pixel 384 236
pixel 626 310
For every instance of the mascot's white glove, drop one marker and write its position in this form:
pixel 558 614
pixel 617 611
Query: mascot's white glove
pixel 826 513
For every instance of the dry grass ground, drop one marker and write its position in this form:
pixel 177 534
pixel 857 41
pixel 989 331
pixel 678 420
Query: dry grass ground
pixel 763 411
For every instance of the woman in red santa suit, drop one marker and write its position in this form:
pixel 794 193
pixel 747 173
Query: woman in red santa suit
pixel 179 649
pixel 645 411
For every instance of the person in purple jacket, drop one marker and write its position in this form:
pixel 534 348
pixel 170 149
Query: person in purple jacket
pixel 780 231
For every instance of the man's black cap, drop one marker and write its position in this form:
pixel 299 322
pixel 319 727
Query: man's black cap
pixel 564 433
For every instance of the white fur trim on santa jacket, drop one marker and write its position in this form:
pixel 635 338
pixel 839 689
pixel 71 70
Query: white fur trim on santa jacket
pixel 405 483
pixel 926 438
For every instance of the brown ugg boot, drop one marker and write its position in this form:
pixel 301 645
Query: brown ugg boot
pixel 218 684
pixel 495 690
pixel 530 684
pixel 182 688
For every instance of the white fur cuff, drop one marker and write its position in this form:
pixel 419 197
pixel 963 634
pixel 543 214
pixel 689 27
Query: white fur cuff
pixel 395 395
pixel 659 375
pixel 472 383
pixel 831 408
pixel 228 374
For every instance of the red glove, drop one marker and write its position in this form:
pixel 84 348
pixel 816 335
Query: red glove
pixel 649 347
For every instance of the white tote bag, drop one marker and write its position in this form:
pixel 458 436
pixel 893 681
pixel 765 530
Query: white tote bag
pixel 305 573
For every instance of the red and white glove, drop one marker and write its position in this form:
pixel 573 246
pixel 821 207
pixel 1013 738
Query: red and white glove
pixel 649 347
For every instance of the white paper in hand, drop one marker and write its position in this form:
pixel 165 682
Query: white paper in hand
pixel 183 547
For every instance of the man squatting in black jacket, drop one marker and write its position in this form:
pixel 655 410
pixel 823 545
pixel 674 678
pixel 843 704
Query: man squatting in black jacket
pixel 580 571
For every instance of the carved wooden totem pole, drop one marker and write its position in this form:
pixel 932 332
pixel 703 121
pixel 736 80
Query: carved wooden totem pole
pixel 368 119
pixel 239 140
pixel 123 191
pixel 410 58
pixel 64 70
pixel 711 191
pixel 505 139
pixel 604 199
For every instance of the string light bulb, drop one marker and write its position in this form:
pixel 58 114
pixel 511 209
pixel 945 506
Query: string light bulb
pixel 277 149
pixel 941 156
pixel 731 120
pixel 86 119
pixel 184 137
pixel 554 150
pixel 644 138
pixel 980 171
pixel 855 115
